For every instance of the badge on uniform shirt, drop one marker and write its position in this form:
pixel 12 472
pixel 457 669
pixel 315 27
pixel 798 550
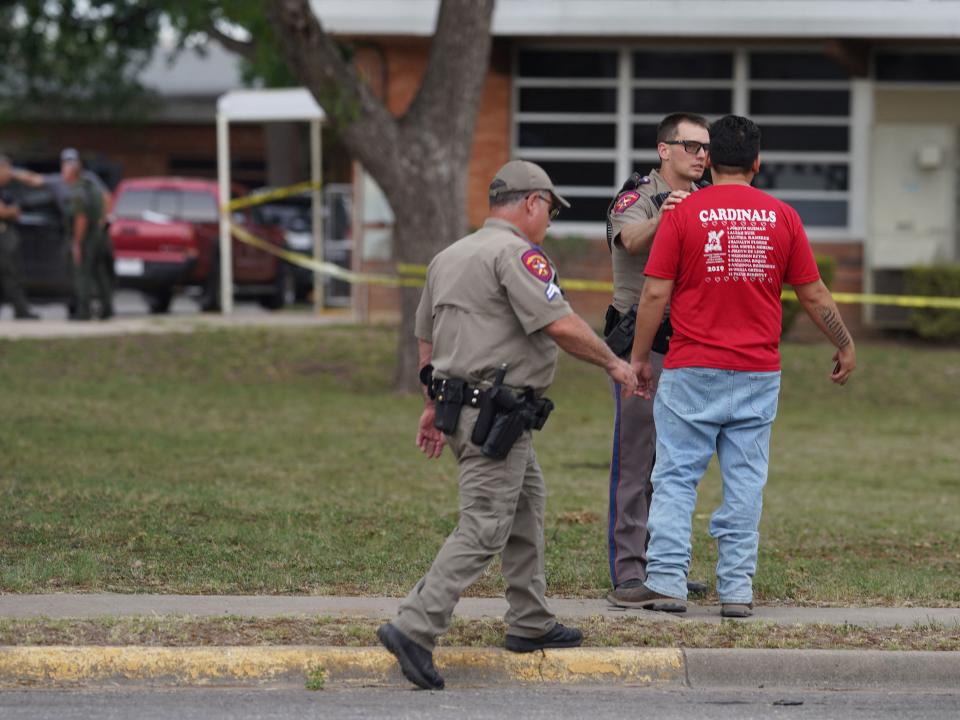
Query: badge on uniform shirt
pixel 553 291
pixel 537 265
pixel 625 201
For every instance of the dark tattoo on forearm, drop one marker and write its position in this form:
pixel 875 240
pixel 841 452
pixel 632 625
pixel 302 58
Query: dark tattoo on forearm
pixel 835 326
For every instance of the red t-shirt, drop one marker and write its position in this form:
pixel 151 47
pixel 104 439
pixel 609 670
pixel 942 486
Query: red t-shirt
pixel 729 249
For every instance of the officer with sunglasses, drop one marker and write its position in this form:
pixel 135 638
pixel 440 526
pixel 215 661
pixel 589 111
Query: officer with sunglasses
pixel 683 141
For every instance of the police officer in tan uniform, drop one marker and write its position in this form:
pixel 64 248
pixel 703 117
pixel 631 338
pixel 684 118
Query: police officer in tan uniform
pixel 682 143
pixel 488 325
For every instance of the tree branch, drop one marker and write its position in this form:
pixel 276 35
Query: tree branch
pixel 367 128
pixel 246 49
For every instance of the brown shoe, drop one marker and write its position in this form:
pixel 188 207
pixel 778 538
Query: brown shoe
pixel 643 597
pixel 736 610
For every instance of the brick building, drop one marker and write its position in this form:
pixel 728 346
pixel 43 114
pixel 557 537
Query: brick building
pixel 858 100
pixel 859 103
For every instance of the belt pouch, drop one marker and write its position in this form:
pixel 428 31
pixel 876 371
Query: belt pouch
pixel 448 405
pixel 488 411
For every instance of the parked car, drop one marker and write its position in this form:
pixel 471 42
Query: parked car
pixel 295 216
pixel 45 256
pixel 165 236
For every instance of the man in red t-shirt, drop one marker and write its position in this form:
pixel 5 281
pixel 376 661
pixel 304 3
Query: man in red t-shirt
pixel 721 258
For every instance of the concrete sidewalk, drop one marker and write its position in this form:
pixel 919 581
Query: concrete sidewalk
pixel 49 328
pixel 101 605
pixel 58 666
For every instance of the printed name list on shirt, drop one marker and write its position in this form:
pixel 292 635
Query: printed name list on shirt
pixel 740 249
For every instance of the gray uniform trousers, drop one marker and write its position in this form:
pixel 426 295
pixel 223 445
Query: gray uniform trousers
pixel 502 504
pixel 634 452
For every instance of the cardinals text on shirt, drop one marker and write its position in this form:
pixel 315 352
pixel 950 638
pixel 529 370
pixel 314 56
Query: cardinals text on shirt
pixel 738 215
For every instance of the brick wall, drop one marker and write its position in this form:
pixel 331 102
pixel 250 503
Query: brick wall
pixel 135 149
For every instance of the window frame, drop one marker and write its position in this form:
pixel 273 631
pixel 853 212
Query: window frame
pixel 626 158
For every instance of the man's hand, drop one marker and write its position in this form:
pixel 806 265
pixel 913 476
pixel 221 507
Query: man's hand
pixel 429 439
pixel 621 372
pixel 644 372
pixel 77 254
pixel 672 200
pixel 845 363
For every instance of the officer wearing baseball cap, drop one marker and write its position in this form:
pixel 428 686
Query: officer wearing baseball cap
pixel 86 233
pixel 488 325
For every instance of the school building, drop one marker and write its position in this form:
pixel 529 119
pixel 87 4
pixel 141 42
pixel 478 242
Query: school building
pixel 858 101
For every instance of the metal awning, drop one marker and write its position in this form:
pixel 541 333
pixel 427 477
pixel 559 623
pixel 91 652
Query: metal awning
pixel 262 106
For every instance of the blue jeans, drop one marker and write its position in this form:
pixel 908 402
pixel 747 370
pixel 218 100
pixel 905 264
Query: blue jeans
pixel 699 411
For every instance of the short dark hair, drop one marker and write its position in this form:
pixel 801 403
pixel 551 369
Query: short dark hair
pixel 668 126
pixel 734 144
pixel 509 198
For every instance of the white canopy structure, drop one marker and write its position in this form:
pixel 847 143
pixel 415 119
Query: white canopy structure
pixel 262 106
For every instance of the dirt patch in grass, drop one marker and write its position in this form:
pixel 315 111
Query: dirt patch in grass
pixel 347 632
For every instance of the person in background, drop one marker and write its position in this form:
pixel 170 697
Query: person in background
pixel 10 263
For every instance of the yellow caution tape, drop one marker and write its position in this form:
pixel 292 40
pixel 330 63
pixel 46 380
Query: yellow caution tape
pixel 271 195
pixel 324 268
pixel 412 275
pixel 915 301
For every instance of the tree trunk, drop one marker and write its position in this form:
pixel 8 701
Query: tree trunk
pixel 420 160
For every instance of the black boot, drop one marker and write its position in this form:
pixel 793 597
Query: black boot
pixel 558 637
pixel 416 662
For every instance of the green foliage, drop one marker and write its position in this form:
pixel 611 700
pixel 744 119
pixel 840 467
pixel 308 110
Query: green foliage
pixel 83 58
pixel 937 281
pixel 74 57
pixel 827 265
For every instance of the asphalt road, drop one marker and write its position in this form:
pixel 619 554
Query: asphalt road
pixel 594 702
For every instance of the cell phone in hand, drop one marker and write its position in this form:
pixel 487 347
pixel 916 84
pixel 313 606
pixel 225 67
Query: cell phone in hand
pixel 836 368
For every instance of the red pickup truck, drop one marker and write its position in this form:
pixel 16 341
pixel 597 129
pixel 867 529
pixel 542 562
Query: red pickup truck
pixel 165 237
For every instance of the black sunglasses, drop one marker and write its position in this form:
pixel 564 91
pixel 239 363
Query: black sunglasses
pixel 691 146
pixel 554 208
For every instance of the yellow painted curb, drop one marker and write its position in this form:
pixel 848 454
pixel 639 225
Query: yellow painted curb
pixel 60 665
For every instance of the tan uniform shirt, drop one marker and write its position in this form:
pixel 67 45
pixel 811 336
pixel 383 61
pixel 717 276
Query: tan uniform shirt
pixel 633 206
pixel 486 301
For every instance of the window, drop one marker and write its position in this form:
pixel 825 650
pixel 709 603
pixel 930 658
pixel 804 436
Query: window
pixel 918 67
pixel 566 115
pixel 133 203
pixel 801 101
pixel 590 116
pixel 198 207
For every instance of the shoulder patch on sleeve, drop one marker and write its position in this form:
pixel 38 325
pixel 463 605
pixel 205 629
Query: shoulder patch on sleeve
pixel 624 201
pixel 537 265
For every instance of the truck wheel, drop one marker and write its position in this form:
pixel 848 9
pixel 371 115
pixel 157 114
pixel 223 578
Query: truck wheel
pixel 210 297
pixel 159 302
pixel 284 289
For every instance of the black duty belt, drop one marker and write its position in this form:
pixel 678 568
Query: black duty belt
pixel 468 394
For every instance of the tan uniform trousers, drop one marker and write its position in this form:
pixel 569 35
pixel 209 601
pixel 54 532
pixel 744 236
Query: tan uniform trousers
pixel 502 504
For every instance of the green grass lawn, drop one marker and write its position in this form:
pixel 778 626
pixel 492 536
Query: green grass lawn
pixel 277 461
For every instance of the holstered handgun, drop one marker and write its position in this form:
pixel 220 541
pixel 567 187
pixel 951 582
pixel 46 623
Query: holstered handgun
pixel 620 330
pixel 507 427
pixel 620 338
